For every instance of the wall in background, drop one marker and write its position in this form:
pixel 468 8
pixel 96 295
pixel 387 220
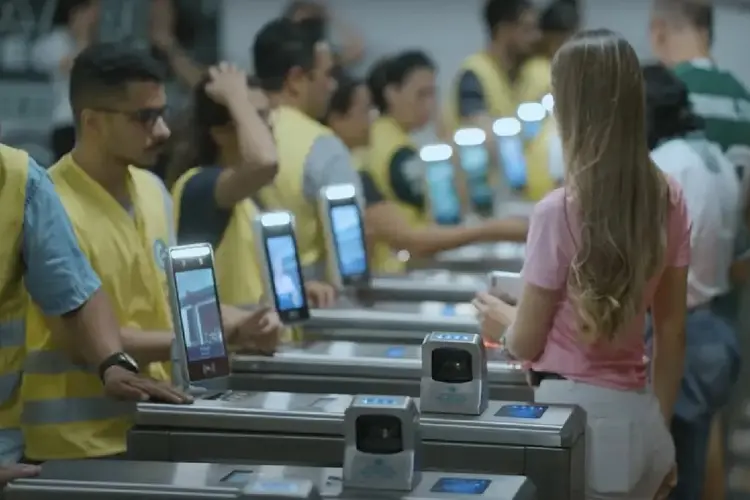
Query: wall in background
pixel 451 29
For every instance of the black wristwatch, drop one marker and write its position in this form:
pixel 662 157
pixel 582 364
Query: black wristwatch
pixel 121 359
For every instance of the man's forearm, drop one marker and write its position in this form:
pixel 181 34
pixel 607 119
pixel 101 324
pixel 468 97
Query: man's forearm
pixel 148 346
pixel 96 326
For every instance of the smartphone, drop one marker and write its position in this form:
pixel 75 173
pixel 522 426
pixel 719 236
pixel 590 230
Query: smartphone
pixel 511 151
pixel 345 235
pixel 277 244
pixel 475 160
pixel 505 284
pixel 196 315
pixel 441 189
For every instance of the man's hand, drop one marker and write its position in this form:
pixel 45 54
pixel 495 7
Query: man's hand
pixel 258 332
pixel 319 294
pixel 17 471
pixel 124 385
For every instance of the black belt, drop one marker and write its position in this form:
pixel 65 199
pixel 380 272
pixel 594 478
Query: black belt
pixel 537 378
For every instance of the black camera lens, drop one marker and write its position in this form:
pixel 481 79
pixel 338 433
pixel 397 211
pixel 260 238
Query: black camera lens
pixel 379 434
pixel 452 366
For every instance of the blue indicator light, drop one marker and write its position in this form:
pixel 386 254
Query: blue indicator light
pixel 378 401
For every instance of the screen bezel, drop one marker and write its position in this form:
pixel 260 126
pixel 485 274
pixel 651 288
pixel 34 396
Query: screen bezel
pixel 219 365
pixel 287 316
pixel 363 277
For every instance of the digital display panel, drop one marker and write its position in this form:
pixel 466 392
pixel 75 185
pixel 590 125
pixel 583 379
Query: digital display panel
pixel 461 486
pixel 286 277
pixel 522 411
pixel 351 251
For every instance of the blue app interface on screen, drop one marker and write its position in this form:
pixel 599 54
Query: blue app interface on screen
pixel 514 160
pixel 521 411
pixel 475 161
pixel 285 273
pixel 199 313
pixel 446 208
pixel 461 486
pixel 350 246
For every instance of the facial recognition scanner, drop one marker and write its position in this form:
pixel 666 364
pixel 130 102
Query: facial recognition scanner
pixel 509 136
pixel 454 374
pixel 531 114
pixel 343 225
pixel 475 161
pixel 445 205
pixel 382 448
pixel 199 353
pixel 279 262
pixel 345 367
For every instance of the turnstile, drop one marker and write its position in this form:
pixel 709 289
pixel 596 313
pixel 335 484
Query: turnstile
pixel 480 258
pixel 544 443
pixel 126 480
pixel 356 368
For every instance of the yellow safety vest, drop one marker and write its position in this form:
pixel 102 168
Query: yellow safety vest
pixel 386 138
pixel 66 414
pixel 238 276
pixel 14 165
pixel 502 99
pixel 295 133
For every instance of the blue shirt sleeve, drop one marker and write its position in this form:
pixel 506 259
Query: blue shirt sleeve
pixel 202 220
pixel 57 274
pixel 470 95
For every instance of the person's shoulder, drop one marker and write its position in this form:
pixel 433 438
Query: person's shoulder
pixel 675 192
pixel 552 203
pixel 674 156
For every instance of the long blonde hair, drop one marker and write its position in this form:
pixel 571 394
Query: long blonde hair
pixel 618 193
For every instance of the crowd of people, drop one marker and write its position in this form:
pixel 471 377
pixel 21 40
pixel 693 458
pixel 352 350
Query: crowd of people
pixel 633 269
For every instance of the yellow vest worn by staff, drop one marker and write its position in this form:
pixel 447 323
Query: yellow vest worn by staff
pixel 386 138
pixel 14 165
pixel 66 414
pixel 238 276
pixel 295 133
pixel 502 99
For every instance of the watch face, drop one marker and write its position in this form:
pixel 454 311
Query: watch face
pixel 129 359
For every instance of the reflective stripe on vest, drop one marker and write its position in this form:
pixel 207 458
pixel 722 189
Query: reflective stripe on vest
pixel 65 410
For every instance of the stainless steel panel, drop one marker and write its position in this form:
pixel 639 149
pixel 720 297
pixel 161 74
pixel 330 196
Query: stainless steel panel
pixel 144 480
pixel 322 319
pixel 357 368
pixel 476 259
pixel 327 451
pixel 322 414
pixel 412 289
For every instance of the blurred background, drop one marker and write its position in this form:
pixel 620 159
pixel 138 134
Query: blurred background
pixel 210 30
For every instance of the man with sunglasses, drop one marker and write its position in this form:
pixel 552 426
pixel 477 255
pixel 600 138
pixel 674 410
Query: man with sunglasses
pixel 122 218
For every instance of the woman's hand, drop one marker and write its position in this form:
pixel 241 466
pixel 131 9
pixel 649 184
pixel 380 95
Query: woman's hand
pixel 227 83
pixel 319 294
pixel 667 485
pixel 494 315
pixel 257 332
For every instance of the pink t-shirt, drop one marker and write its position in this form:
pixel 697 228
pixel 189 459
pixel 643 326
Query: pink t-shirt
pixel 549 252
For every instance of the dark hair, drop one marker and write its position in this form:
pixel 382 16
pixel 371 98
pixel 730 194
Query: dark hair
pixel 560 17
pixel 668 110
pixel 498 12
pixel 394 71
pixel 342 97
pixel 64 10
pixel 697 13
pixel 280 46
pixel 102 71
pixel 193 144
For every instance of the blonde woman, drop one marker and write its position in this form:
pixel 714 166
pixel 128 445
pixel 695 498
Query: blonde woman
pixel 602 250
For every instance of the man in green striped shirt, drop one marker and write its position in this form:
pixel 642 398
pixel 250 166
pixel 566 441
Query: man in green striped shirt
pixel 681 38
